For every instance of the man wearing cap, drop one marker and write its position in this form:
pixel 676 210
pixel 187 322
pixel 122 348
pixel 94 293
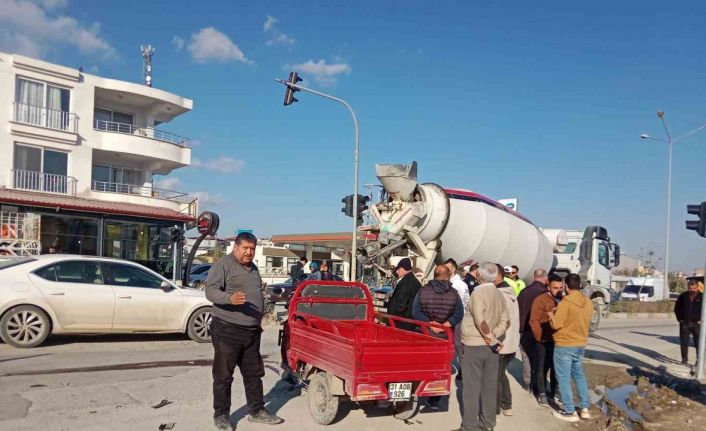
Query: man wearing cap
pixel 402 298
pixel 513 279
pixel 688 313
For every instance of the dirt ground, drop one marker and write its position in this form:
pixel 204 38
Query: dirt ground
pixel 633 399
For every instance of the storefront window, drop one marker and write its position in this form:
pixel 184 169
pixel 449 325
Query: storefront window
pixel 68 234
pixel 145 243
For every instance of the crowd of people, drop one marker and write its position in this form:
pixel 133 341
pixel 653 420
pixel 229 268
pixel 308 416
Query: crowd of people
pixel 494 316
pixel 486 308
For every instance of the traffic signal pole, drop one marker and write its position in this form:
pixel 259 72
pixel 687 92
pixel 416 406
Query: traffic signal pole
pixel 700 227
pixel 354 242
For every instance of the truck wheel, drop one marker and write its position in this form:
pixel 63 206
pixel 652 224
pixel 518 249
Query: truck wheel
pixel 598 305
pixel 404 410
pixel 322 405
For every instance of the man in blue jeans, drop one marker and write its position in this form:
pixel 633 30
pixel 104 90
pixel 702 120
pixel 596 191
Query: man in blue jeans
pixel 571 321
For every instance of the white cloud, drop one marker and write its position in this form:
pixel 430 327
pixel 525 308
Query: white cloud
pixel 324 74
pixel 222 165
pixel 211 44
pixel 35 28
pixel 281 39
pixel 276 36
pixel 168 183
pixel 178 42
pixel 269 23
pixel 207 199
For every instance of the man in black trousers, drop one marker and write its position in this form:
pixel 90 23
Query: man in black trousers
pixel 688 313
pixel 234 287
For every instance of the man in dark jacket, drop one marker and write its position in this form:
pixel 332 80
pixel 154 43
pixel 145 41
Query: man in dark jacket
pixel 688 313
pixel 297 271
pixel 471 278
pixel 402 298
pixel 438 302
pixel 524 301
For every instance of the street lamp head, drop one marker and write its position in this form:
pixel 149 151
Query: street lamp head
pixel 660 114
pixel 645 136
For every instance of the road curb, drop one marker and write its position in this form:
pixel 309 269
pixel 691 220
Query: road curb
pixel 618 316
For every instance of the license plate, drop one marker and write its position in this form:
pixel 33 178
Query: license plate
pixel 399 391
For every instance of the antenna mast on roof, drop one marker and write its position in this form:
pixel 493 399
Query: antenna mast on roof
pixel 147 52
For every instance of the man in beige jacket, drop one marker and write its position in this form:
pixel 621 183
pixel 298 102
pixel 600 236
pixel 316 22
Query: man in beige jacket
pixel 484 321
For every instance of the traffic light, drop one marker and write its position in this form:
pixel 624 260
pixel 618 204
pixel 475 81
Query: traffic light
pixel 362 206
pixel 289 93
pixel 347 205
pixel 176 235
pixel 698 225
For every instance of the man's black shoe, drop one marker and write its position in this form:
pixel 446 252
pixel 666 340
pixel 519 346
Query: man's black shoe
pixel 265 417
pixel 222 422
pixel 542 400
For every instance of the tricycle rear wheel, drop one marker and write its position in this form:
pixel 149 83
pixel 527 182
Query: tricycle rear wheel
pixel 323 406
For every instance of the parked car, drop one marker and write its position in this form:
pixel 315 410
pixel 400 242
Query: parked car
pixel 197 278
pixel 61 294
pixel 633 292
pixel 280 292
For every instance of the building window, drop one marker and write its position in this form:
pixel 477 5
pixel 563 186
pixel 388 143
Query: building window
pixel 148 244
pixel 112 121
pixel 42 104
pixel 69 234
pixel 116 179
pixel 40 169
pixel 274 262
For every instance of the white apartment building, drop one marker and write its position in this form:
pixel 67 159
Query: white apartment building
pixel 79 155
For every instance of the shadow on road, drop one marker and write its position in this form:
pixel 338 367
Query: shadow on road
pixel 668 338
pixel 279 395
pixel 63 339
pixel 641 350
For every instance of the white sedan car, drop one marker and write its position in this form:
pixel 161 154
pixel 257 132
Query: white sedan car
pixel 62 294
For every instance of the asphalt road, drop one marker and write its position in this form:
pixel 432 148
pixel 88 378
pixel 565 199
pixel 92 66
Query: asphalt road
pixel 113 382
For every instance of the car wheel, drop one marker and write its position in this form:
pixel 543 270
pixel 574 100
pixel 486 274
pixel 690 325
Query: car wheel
pixel 199 326
pixel 25 326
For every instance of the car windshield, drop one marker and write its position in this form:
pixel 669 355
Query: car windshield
pixel 634 288
pixel 201 269
pixel 9 263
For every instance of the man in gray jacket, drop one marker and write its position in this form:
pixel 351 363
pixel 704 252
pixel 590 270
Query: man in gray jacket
pixel 234 286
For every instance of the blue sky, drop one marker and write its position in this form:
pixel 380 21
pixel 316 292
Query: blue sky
pixel 544 102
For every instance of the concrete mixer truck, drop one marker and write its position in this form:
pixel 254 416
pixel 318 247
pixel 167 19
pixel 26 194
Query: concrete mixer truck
pixel 432 224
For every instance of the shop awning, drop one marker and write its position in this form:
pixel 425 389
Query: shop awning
pixel 72 203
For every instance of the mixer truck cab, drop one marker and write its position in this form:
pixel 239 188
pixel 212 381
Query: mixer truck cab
pixel 590 254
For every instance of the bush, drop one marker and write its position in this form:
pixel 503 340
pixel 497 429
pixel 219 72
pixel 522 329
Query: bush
pixel 642 307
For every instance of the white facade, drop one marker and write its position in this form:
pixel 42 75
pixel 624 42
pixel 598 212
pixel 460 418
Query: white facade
pixel 66 132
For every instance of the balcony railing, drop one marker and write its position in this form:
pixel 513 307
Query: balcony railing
pixel 147 132
pixel 150 192
pixel 49 118
pixel 42 182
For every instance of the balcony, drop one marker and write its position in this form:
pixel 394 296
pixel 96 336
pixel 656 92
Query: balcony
pixel 43 182
pixel 146 132
pixel 149 192
pixel 43 117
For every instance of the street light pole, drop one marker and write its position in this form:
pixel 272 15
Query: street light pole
pixel 354 242
pixel 671 143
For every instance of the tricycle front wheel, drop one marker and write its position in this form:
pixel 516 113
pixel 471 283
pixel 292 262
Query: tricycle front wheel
pixel 323 406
